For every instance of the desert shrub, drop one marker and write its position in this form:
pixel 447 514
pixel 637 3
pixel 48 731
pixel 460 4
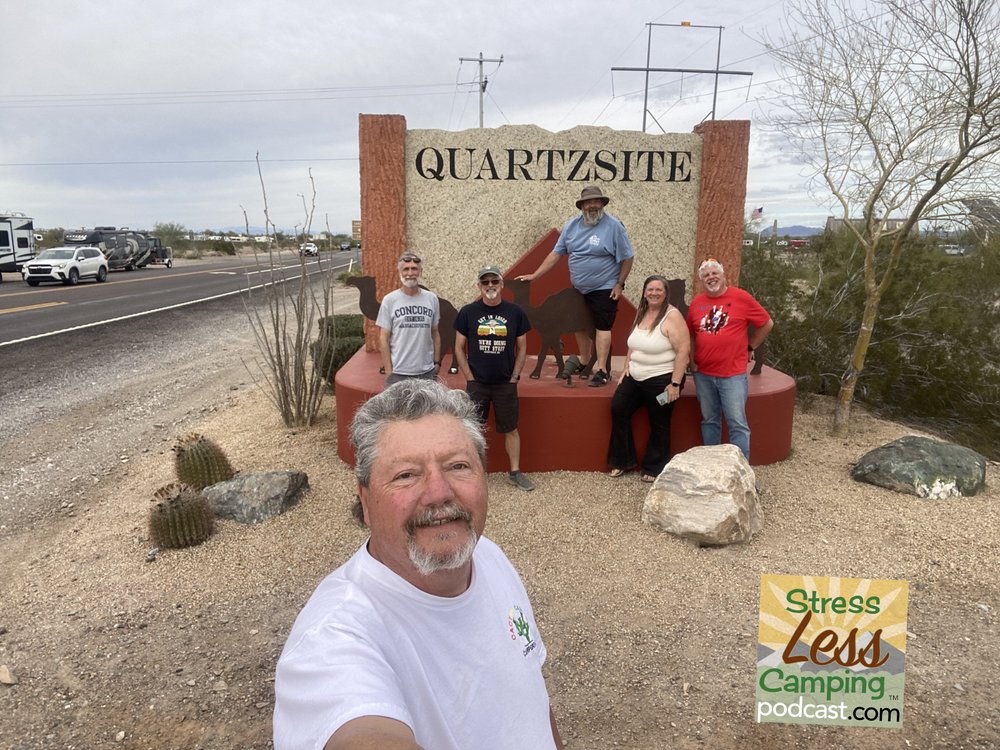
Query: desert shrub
pixel 342 325
pixel 345 275
pixel 330 356
pixel 223 247
pixel 340 337
pixel 935 349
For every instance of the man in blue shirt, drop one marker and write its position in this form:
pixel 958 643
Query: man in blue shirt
pixel 600 258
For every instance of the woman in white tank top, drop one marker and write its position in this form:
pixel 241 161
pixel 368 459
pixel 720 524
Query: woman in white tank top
pixel 658 350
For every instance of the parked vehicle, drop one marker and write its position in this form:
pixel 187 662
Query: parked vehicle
pixel 159 255
pixel 308 248
pixel 124 248
pixel 67 265
pixel 17 242
pixel 953 250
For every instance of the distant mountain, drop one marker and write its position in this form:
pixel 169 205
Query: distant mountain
pixel 796 230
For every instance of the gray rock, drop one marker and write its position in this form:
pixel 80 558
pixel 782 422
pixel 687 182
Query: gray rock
pixel 252 498
pixel 923 467
pixel 707 495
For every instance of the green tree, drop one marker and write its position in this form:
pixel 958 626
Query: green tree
pixel 173 235
pixel 896 106
pixel 934 356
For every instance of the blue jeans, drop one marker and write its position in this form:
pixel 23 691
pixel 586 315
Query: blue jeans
pixel 724 396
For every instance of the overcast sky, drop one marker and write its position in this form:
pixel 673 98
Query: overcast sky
pixel 130 113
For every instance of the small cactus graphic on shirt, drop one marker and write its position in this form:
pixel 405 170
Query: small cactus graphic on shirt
pixel 517 624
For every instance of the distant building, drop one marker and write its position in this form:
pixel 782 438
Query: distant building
pixel 835 225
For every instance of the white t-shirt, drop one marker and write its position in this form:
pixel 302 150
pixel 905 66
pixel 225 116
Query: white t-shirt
pixel 462 672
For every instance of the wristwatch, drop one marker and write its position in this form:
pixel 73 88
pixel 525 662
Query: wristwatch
pixel 678 386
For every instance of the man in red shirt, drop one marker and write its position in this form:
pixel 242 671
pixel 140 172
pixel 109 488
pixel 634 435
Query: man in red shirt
pixel 721 347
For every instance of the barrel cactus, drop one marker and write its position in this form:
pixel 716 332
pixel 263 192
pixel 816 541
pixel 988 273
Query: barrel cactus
pixel 200 462
pixel 181 517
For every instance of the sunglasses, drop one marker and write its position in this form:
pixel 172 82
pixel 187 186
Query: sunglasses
pixel 490 282
pixel 410 258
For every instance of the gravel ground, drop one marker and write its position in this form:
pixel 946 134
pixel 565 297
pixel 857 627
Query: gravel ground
pixel 651 640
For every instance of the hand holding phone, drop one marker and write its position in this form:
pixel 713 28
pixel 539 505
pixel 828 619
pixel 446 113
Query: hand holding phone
pixel 661 398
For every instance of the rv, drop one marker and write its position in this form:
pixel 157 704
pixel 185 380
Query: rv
pixel 124 248
pixel 17 242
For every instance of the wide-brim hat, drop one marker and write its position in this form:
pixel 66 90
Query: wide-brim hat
pixel 591 192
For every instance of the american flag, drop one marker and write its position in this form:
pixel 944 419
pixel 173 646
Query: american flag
pixel 757 213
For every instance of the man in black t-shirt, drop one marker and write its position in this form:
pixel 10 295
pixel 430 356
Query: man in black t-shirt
pixel 491 344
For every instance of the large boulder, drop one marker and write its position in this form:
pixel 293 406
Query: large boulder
pixel 923 467
pixel 708 495
pixel 252 498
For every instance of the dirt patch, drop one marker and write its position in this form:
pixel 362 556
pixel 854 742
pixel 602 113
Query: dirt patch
pixel 651 641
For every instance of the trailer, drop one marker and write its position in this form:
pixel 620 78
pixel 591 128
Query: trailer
pixel 17 242
pixel 159 254
pixel 124 248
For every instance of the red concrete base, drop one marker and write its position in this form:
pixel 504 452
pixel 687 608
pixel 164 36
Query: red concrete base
pixel 567 428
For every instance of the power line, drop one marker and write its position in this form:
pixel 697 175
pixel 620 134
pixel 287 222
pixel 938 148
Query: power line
pixel 201 99
pixel 171 161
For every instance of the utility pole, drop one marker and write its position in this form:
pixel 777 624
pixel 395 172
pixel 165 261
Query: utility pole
pixel 482 79
pixel 647 70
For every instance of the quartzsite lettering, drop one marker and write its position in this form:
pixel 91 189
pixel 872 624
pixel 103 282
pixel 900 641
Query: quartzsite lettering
pixel 553 165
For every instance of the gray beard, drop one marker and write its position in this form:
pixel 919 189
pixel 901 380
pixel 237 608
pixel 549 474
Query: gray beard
pixel 426 562
pixel 597 216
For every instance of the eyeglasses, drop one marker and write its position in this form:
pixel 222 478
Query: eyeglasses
pixel 409 258
pixel 490 282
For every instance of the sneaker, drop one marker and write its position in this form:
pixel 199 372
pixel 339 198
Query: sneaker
pixel 600 378
pixel 520 480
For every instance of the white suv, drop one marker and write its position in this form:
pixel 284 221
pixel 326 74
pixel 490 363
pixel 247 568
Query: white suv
pixel 66 264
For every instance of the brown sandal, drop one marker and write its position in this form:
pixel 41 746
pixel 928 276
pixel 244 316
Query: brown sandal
pixel 615 473
pixel 647 478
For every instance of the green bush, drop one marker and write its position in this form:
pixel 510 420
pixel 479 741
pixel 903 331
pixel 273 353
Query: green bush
pixel 340 337
pixel 935 349
pixel 331 356
pixel 223 247
pixel 345 275
pixel 342 325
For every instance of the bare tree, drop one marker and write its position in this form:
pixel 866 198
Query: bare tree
pixel 292 378
pixel 896 108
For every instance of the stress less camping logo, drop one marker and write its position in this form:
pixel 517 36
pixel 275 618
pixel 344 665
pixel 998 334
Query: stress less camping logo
pixel 831 651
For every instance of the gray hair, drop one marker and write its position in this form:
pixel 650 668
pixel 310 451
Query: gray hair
pixel 710 263
pixel 407 401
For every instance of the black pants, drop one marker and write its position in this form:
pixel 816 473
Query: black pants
pixel 629 396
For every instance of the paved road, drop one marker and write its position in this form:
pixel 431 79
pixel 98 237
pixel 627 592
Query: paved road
pixel 74 408
pixel 28 313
